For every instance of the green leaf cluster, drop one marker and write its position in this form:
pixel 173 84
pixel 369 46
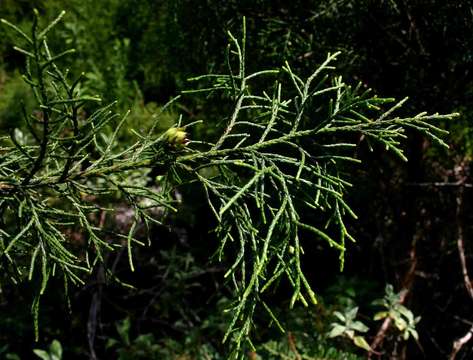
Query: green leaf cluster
pixel 402 317
pixel 54 353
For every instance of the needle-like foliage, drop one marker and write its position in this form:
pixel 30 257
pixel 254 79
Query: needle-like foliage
pixel 275 176
pixel 53 181
pixel 285 153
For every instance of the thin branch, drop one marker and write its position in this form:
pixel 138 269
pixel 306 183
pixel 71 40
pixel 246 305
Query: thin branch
pixel 460 342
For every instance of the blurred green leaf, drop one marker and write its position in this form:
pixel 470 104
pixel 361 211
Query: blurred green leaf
pixel 42 354
pixel 361 342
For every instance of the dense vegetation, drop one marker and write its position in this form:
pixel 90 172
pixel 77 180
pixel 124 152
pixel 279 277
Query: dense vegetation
pixel 209 180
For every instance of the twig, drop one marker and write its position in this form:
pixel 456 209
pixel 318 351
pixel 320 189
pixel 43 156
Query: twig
pixel 441 184
pixel 94 313
pixel 461 244
pixel 460 342
pixel 292 346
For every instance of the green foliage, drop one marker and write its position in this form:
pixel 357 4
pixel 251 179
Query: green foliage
pixel 50 177
pixel 14 96
pixel 282 158
pixel 349 327
pixel 402 317
pixel 301 346
pixel 54 352
pixel 7 354
pixel 293 345
pixel 104 60
pixel 292 141
pixel 142 347
pixel 146 346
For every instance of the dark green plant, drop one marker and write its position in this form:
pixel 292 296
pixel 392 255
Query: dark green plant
pixel 402 317
pixel 53 353
pixel 295 346
pixel 347 326
pixel 5 353
pixel 282 158
pixel 142 347
pixel 51 178
pixel 14 96
pixel 293 143
pixel 147 347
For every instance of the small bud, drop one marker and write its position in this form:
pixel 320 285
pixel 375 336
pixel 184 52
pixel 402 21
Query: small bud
pixel 176 137
pixel 5 187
